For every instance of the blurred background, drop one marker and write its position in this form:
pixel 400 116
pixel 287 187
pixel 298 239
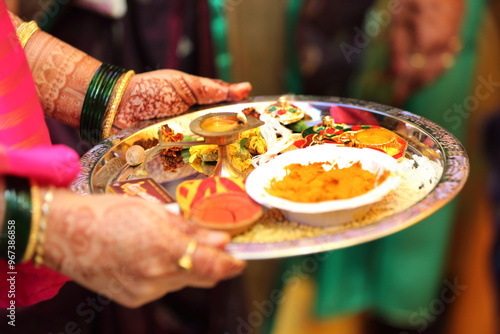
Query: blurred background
pixel 435 58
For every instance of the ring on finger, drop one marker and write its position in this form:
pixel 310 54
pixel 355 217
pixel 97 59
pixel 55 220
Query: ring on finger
pixel 186 260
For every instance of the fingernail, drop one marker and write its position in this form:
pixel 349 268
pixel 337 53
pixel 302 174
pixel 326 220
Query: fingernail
pixel 217 239
pixel 239 91
pixel 243 86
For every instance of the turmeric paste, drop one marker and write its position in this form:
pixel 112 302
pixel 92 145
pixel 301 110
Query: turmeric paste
pixel 312 183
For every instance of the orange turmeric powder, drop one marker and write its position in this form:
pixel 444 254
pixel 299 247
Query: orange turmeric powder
pixel 312 183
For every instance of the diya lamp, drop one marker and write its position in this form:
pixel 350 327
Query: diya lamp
pixel 223 129
pixel 286 112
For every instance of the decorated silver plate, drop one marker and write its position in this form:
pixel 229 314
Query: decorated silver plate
pixel 106 163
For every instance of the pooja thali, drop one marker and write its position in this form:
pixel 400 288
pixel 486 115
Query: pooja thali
pixel 445 173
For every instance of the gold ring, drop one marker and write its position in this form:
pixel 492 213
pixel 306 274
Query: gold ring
pixel 25 31
pixel 186 260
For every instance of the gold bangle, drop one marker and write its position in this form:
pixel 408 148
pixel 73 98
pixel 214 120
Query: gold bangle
pixel 36 211
pixel 109 117
pixel 25 31
pixel 45 208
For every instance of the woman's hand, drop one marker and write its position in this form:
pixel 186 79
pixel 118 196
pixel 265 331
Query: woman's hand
pixel 164 93
pixel 63 73
pixel 128 249
pixel 424 40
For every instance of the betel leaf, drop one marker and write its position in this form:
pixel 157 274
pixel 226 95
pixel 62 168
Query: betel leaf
pixel 298 127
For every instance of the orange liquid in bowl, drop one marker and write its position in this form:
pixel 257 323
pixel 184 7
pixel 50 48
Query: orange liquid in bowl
pixel 219 124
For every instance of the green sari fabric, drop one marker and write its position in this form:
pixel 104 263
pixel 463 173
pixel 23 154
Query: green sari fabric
pixel 218 29
pixel 400 275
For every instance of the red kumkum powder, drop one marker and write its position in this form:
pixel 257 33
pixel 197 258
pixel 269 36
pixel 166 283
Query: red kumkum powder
pixel 226 209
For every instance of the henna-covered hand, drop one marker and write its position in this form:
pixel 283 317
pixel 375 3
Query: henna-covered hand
pixel 164 93
pixel 127 249
pixel 63 73
pixel 424 41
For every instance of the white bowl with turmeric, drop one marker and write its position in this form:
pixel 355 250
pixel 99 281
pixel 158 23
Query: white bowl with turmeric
pixel 324 185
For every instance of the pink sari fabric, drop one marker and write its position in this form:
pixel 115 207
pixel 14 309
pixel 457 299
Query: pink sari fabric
pixel 25 150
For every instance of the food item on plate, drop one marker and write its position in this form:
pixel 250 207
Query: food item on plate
pixel 251 143
pixel 324 181
pixel 172 156
pixel 420 176
pixel 251 111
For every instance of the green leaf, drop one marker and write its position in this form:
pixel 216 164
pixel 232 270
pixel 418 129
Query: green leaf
pixel 243 141
pixel 298 127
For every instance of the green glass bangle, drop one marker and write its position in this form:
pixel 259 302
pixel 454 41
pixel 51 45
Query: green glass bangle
pixel 103 103
pixel 88 102
pixel 94 95
pixel 17 221
pixel 97 93
pixel 96 101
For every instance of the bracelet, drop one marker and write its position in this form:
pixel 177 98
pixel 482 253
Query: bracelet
pixel 103 104
pixel 116 99
pixel 36 211
pixel 88 102
pixel 96 101
pixel 25 31
pixel 17 222
pixel 45 208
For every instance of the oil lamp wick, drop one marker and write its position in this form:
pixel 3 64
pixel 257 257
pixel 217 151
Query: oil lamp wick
pixel 242 119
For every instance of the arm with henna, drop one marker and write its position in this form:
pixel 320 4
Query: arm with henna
pixel 127 249
pixel 424 41
pixel 63 73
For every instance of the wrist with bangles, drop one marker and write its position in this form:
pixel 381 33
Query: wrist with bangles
pixel 103 95
pixel 101 102
pixel 25 30
pixel 25 221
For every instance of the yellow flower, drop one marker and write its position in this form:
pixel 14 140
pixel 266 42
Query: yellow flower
pixel 254 143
